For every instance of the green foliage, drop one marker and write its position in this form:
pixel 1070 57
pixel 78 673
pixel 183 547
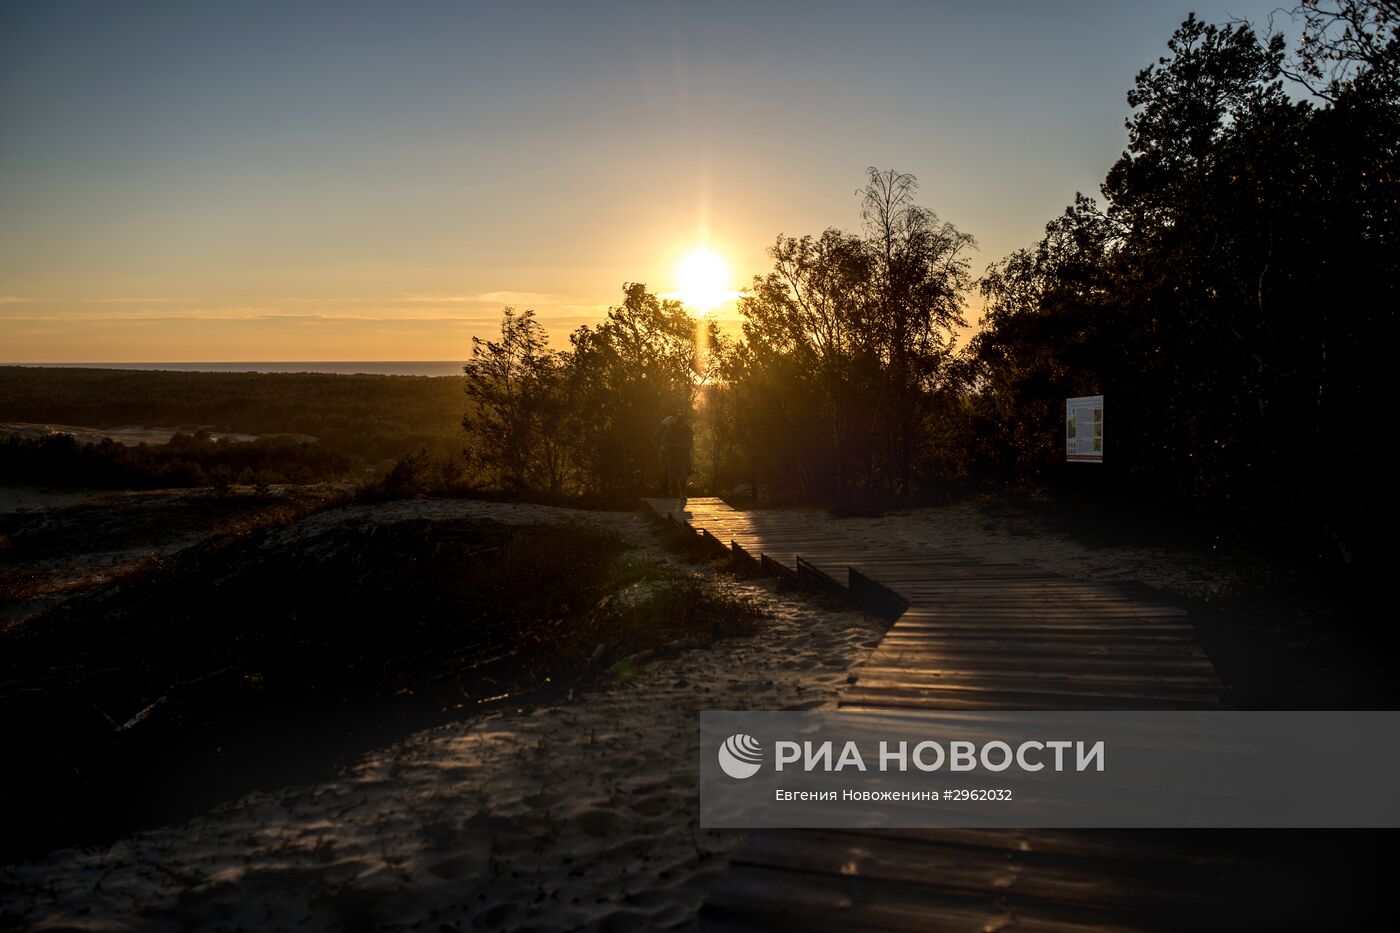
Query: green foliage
pixel 1047 317
pixel 420 474
pixel 580 422
pixel 260 649
pixel 1233 296
pixel 358 422
pixel 369 418
pixel 516 386
pixel 645 361
pixel 1236 298
pixel 848 341
pixel 1350 49
pixel 187 460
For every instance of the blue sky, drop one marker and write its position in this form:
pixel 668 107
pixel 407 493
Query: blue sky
pixel 374 181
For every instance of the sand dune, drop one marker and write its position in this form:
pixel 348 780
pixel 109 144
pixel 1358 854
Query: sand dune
pixel 582 814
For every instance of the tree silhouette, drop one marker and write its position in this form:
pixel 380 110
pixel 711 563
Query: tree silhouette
pixel 1236 298
pixel 1234 295
pixel 847 338
pixel 515 386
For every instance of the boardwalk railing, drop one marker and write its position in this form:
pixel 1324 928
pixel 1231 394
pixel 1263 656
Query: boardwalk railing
pixel 860 590
pixel 969 636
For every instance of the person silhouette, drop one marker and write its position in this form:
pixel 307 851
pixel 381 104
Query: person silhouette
pixel 675 437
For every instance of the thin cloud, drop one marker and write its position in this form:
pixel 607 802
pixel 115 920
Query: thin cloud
pixel 518 298
pixel 141 301
pixel 225 317
pixel 495 297
pixel 434 298
pixel 403 299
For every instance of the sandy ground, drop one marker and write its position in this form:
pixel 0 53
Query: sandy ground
pixel 1016 533
pixel 31 498
pixel 55 543
pixel 578 815
pixel 30 583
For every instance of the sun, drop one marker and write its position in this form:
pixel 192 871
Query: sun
pixel 703 276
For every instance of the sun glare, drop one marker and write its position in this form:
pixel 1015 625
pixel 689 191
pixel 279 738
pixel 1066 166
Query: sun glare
pixel 703 277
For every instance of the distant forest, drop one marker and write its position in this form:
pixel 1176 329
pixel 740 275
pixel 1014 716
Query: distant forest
pixel 1233 297
pixel 358 422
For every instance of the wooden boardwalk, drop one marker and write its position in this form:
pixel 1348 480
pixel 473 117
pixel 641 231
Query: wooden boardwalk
pixel 981 636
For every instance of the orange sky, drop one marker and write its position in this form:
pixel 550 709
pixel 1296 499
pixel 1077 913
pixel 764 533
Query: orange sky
pixel 375 182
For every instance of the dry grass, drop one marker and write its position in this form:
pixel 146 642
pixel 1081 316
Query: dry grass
pixel 257 648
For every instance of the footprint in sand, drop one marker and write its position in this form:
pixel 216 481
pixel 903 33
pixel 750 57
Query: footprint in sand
pixel 598 822
pixel 457 867
pixel 655 804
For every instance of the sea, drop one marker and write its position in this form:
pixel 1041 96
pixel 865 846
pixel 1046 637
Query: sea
pixel 343 367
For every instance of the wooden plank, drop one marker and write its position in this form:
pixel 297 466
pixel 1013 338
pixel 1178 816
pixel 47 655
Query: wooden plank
pixel 878 673
pixel 925 698
pixel 779 899
pixel 1107 883
pixel 973 637
pixel 1060 664
pixel 1025 634
pixel 811 577
pixel 743 558
pixel 715 544
pixel 874 596
pixel 1063 687
pixel 771 566
pixel 922 622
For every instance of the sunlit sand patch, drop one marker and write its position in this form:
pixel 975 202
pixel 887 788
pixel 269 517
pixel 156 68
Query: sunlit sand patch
pixel 561 816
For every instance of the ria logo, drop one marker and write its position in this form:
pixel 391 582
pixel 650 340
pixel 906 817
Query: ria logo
pixel 740 756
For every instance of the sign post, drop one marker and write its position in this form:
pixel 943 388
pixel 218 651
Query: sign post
pixel 1084 429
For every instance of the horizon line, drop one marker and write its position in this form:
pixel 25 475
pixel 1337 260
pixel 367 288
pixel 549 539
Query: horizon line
pixel 195 362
